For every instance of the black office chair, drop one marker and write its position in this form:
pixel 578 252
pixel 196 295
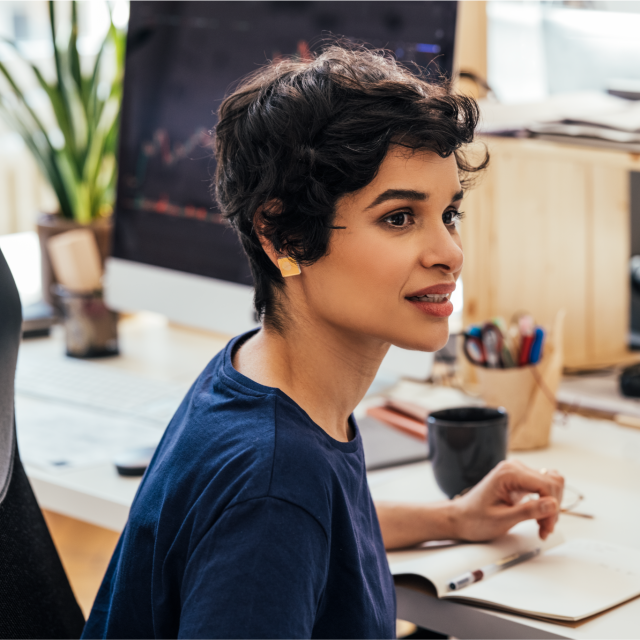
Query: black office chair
pixel 36 600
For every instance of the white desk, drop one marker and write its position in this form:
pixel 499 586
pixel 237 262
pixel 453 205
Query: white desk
pixel 151 348
pixel 599 458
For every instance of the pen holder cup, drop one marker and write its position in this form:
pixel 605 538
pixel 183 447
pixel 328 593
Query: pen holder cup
pixel 91 330
pixel 527 393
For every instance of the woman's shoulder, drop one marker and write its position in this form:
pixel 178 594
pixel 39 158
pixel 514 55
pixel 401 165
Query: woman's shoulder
pixel 310 468
pixel 224 434
pixel 233 440
pixel 258 445
pixel 226 412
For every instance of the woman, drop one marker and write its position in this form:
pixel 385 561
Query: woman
pixel 343 176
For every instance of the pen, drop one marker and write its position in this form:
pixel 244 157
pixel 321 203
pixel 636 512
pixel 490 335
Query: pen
pixel 536 346
pixel 578 514
pixel 470 577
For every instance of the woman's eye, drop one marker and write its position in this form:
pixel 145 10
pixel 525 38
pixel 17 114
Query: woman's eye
pixel 400 219
pixel 451 217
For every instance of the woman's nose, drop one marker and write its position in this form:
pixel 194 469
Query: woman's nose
pixel 442 250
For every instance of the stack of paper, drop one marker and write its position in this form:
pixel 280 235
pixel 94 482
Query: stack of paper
pixel 584 116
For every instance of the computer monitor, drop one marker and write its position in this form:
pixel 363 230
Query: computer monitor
pixel 173 253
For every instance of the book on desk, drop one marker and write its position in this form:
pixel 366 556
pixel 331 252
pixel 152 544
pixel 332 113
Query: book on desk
pixel 567 581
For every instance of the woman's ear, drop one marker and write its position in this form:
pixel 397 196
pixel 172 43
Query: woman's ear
pixel 259 226
pixel 288 266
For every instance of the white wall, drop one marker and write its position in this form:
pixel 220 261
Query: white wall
pixel 535 49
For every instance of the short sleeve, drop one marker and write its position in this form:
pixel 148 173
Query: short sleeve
pixel 258 573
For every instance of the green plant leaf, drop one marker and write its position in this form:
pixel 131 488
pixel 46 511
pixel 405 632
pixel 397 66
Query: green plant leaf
pixel 92 86
pixel 93 104
pixel 72 52
pixel 57 105
pixel 76 90
pixel 44 157
pixel 72 182
pixel 51 90
pixel 100 137
pixel 30 133
pixel 60 84
pixel 20 96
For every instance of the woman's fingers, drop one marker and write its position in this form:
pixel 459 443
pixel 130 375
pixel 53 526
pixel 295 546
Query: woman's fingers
pixel 496 504
pixel 544 510
pixel 518 478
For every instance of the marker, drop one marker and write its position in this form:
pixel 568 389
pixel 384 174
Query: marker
pixel 527 328
pixel 475 576
pixel 525 350
pixel 536 347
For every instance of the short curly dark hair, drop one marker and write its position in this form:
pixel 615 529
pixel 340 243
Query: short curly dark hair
pixel 296 135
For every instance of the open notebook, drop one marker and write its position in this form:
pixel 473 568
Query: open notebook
pixel 567 581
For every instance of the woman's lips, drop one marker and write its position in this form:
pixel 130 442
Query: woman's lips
pixel 440 309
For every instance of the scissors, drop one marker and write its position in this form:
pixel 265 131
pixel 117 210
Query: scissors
pixel 473 347
pixel 492 340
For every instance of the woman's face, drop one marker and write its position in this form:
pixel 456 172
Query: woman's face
pixel 388 276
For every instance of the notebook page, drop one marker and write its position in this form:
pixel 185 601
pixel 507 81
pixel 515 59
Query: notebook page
pixel 624 119
pixel 569 582
pixel 441 565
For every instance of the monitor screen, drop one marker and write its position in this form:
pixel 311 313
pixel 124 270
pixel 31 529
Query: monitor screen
pixel 182 58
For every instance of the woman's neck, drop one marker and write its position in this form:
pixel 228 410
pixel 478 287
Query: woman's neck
pixel 321 368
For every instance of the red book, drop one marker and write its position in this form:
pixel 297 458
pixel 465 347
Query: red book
pixel 400 421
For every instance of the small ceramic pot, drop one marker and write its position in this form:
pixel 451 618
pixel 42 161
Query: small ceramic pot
pixel 52 224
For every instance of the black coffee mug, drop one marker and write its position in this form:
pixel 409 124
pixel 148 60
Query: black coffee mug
pixel 465 444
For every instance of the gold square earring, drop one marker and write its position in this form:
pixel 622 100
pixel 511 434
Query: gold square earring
pixel 288 267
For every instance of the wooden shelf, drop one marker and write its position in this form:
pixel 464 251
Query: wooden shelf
pixel 548 227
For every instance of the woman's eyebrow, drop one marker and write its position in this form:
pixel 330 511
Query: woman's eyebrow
pixel 458 196
pixel 398 194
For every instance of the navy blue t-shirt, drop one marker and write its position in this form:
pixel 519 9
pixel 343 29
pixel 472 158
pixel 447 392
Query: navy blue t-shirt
pixel 251 522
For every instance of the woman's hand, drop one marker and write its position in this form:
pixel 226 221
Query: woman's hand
pixel 494 505
pixel 489 510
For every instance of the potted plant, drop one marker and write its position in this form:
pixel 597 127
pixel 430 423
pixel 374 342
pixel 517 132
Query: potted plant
pixel 77 155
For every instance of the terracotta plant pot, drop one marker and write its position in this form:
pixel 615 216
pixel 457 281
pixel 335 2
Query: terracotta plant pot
pixel 52 224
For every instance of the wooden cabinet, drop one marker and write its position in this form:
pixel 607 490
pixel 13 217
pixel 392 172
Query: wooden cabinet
pixel 548 227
